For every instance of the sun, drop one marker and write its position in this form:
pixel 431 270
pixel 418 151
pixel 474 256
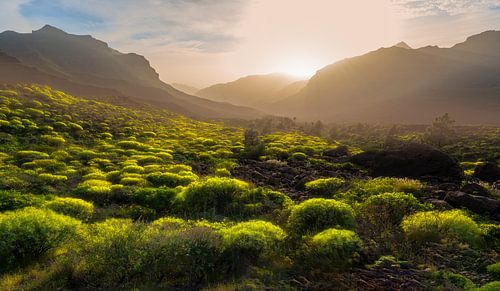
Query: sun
pixel 301 72
pixel 297 68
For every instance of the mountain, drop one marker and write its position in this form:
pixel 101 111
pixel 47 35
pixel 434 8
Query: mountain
pixel 68 59
pixel 185 88
pixel 256 90
pixel 403 45
pixel 406 85
pixel 12 71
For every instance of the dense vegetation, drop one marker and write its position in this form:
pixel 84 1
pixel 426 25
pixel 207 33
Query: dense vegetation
pixel 95 195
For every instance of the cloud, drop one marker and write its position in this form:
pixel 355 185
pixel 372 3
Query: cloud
pixel 419 8
pixel 204 26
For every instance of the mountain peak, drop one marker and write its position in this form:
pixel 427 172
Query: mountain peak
pixel 49 29
pixel 403 45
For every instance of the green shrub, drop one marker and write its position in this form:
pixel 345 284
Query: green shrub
pixel 22 157
pixel 314 215
pixel 159 199
pixel 492 286
pixel 133 169
pixel 260 201
pixel 382 214
pixel 133 181
pixel 135 145
pixel 324 187
pixel 47 164
pixel 95 176
pixel 11 200
pixel 362 189
pixel 30 233
pixel 331 249
pixel 434 226
pixel 96 190
pixel 494 270
pixel 213 195
pixel 451 281
pixel 109 253
pixel 51 140
pixel 491 235
pixel 298 156
pixel 170 179
pixel 73 207
pixel 51 179
pixel 255 237
pixel 222 172
pixel 183 258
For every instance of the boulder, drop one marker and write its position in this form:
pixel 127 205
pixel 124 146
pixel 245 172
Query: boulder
pixel 475 189
pixel 410 160
pixel 478 204
pixel 339 151
pixel 440 204
pixel 488 172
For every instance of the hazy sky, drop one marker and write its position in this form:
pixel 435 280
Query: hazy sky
pixel 201 42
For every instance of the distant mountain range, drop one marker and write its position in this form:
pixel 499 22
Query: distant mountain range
pixel 258 91
pixel 404 85
pixel 83 65
pixel 398 84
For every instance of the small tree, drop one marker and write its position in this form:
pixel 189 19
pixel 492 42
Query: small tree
pixel 254 147
pixel 441 132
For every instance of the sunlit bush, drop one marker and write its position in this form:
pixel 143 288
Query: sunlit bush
pixel 253 238
pixel 494 270
pixel 362 189
pixel 434 226
pixel 11 200
pixel 213 195
pixel 183 257
pixel 384 212
pixel 97 190
pixel 491 235
pixel 156 198
pixel 51 179
pixel 324 187
pixel 331 249
pixel 314 215
pixel 30 233
pixel 28 156
pixel 73 207
pixel 171 179
pixel 298 156
pixel 110 252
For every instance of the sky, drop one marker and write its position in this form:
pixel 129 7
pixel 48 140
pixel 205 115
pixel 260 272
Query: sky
pixel 202 42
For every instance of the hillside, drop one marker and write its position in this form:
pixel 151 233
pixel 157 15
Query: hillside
pixel 404 85
pixel 95 195
pixel 185 88
pixel 258 91
pixel 85 61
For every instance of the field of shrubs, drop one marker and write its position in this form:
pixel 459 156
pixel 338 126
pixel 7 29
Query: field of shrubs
pixel 101 196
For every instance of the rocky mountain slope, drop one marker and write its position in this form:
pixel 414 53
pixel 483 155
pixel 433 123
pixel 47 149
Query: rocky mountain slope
pixel 72 61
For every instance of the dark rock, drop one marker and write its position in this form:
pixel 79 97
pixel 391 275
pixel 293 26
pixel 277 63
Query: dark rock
pixel 339 151
pixel 448 187
pixel 478 204
pixel 410 160
pixel 440 204
pixel 475 189
pixel 488 172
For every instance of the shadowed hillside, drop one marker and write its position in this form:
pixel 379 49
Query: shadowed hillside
pixel 257 91
pixel 407 85
pixel 70 59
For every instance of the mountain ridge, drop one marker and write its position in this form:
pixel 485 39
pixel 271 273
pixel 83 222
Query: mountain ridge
pixel 66 59
pixel 406 85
